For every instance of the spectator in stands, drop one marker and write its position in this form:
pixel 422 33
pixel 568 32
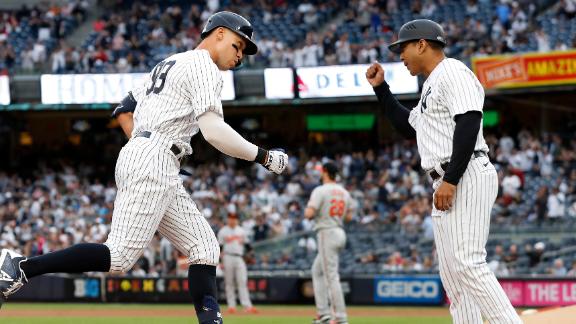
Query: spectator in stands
pixel 284 259
pixel 395 262
pixel 512 255
pixel 428 227
pixel 261 229
pixel 498 253
pixel 541 204
pixel 277 227
pixel 428 9
pixel 519 20
pixel 560 46
pixel 370 257
pixel 311 51
pixel 58 60
pixel 572 271
pixel 308 243
pixel 503 12
pixel 535 253
pixel 558 268
pixel 556 205
pixel 510 187
pixel 264 261
pixel 137 271
pixel 499 268
pixel 543 41
pixel 546 161
pixel 343 50
pixel 391 6
pixel 567 8
pixel 415 262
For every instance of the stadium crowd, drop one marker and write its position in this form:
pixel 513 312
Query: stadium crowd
pixel 28 35
pixel 65 205
pixel 134 36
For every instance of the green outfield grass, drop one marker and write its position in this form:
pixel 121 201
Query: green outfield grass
pixel 17 313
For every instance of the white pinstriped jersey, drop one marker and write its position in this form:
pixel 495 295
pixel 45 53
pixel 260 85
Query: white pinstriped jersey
pixel 177 91
pixel 451 89
pixel 331 202
pixel 232 239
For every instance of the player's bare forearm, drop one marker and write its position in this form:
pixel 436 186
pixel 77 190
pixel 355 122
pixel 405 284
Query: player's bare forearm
pixel 126 121
pixel 309 212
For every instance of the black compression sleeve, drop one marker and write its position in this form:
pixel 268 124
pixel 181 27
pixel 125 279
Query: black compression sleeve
pixel 465 135
pixel 128 104
pixel 396 113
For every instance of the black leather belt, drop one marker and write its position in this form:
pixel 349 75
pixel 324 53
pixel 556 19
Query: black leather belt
pixel 234 254
pixel 173 148
pixel 434 174
pixel 147 134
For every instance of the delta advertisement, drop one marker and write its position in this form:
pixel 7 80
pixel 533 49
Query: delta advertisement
pixel 526 70
pixel 103 88
pixel 350 80
pixel 4 90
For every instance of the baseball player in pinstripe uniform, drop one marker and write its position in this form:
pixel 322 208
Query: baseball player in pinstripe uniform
pixel 447 126
pixel 233 238
pixel 330 205
pixel 180 97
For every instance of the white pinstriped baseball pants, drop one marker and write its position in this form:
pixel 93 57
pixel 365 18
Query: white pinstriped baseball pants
pixel 460 235
pixel 151 198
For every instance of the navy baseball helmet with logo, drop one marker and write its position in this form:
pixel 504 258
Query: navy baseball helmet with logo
pixel 418 29
pixel 236 23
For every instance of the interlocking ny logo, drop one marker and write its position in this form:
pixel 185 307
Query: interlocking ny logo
pixel 424 104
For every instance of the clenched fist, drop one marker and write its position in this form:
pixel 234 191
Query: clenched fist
pixel 375 74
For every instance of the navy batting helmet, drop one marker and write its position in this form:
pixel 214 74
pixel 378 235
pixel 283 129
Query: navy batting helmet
pixel 416 30
pixel 236 23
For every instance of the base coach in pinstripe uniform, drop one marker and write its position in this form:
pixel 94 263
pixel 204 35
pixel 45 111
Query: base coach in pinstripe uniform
pixel 181 96
pixel 447 126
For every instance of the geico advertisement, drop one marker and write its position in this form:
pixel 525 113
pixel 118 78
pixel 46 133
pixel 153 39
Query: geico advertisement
pixel 279 83
pixel 350 80
pixel 4 90
pixel 408 290
pixel 103 88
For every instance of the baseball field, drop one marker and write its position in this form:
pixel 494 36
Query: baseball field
pixel 19 313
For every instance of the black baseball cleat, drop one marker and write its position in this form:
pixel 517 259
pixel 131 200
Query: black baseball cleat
pixel 12 277
pixel 209 312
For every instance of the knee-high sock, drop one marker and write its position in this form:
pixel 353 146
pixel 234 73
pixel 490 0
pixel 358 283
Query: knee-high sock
pixel 202 283
pixel 78 258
